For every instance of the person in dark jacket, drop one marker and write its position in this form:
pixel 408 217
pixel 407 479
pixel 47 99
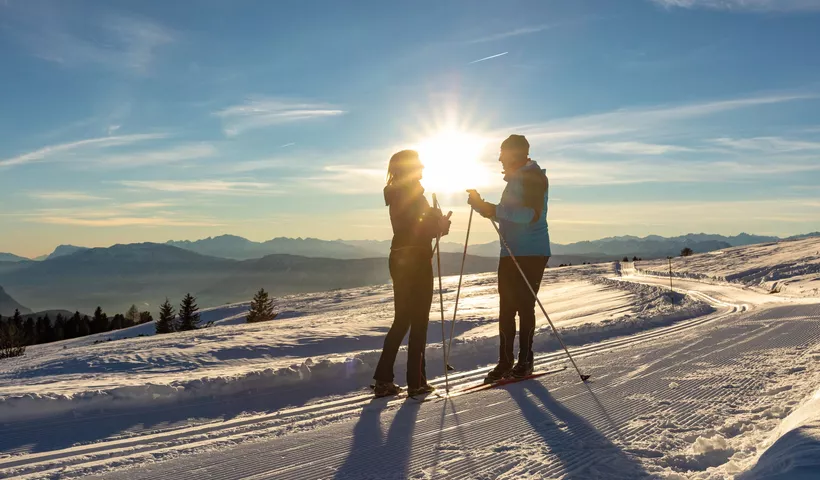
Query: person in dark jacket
pixel 415 225
pixel 522 221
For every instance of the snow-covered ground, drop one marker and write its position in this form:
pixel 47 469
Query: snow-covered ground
pixel 717 381
pixel 789 267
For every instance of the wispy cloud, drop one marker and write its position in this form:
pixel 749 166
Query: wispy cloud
pixel 768 144
pixel 175 154
pixel 489 58
pixel 632 148
pixel 116 41
pixel 264 112
pixel 644 120
pixel 529 30
pixel 66 196
pixel 755 5
pixel 123 221
pixel 218 187
pixel 53 152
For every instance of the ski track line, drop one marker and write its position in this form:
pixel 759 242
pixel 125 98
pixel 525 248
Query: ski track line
pixel 324 410
pixel 334 408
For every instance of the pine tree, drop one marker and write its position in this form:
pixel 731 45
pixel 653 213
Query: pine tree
pixel 59 328
pixel 145 317
pixel 117 322
pixel 84 327
pixel 165 323
pixel 72 326
pixel 188 314
pixel 30 331
pixel 100 322
pixel 261 308
pixel 43 326
pixel 132 316
pixel 12 342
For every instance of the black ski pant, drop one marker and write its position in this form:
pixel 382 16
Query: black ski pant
pixel 412 274
pixel 515 297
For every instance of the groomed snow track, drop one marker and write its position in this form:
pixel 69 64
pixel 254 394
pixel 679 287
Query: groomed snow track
pixel 643 387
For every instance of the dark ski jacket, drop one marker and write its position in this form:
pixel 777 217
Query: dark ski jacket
pixel 414 222
pixel 522 212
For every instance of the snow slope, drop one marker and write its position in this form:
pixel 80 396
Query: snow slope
pixel 789 267
pixel 680 390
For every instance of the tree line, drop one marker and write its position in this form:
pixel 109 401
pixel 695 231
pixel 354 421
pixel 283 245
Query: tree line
pixel 17 332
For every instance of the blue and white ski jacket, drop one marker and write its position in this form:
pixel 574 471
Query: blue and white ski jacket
pixel 522 212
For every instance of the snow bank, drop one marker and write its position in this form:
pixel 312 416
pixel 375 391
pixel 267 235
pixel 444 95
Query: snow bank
pixel 795 447
pixel 325 337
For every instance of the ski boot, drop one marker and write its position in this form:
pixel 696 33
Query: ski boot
pixel 422 390
pixel 522 369
pixel 385 389
pixel 501 371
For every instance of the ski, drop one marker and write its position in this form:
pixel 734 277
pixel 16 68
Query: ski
pixel 486 386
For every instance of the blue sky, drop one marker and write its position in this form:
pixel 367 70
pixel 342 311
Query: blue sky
pixel 149 121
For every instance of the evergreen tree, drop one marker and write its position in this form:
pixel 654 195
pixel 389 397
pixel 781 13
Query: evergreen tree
pixel 261 308
pixel 132 316
pixel 686 252
pixel 12 342
pixel 117 322
pixel 72 326
pixel 59 327
pixel 84 327
pixel 188 314
pixel 145 317
pixel 43 328
pixel 165 323
pixel 100 322
pixel 30 331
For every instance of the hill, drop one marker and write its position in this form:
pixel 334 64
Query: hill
pixel 145 274
pixel 10 257
pixel 8 305
pixel 239 248
pixel 62 250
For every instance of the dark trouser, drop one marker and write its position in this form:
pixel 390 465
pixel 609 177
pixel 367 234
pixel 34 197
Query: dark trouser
pixel 412 274
pixel 515 297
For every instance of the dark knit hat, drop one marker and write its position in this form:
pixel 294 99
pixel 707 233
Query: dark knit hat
pixel 516 142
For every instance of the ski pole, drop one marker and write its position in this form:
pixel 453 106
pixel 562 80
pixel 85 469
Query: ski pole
pixel 584 378
pixel 458 290
pixel 441 302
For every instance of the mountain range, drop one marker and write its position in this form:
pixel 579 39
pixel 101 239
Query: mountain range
pixel 239 248
pixel 8 305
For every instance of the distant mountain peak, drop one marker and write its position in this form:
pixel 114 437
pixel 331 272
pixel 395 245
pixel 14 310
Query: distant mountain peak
pixel 8 305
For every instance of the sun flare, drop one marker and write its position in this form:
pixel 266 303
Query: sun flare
pixel 452 161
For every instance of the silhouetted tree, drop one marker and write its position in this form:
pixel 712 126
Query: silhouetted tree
pixel 72 326
pixel 634 259
pixel 30 331
pixel 261 308
pixel 165 323
pixel 188 314
pixel 686 252
pixel 117 322
pixel 100 322
pixel 132 316
pixel 59 328
pixel 12 340
pixel 145 317
pixel 84 327
pixel 625 259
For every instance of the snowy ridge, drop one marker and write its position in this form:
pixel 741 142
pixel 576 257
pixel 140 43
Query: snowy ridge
pixel 789 267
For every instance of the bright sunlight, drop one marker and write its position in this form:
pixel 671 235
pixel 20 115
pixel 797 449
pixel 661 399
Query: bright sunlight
pixel 452 161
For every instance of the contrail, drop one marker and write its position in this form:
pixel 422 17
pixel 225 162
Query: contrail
pixel 288 145
pixel 488 58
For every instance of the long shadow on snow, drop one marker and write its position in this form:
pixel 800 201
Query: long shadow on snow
pixel 372 458
pixel 568 434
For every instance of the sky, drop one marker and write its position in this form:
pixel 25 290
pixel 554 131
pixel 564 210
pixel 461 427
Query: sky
pixel 150 120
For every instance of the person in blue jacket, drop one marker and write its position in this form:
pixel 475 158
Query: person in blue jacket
pixel 522 221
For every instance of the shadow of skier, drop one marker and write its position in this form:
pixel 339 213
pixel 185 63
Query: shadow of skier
pixel 371 457
pixel 568 434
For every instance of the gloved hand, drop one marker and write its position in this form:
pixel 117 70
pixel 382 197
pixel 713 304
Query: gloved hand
pixel 485 209
pixel 444 224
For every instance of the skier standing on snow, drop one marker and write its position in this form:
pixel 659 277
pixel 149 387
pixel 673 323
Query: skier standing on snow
pixel 415 225
pixel 522 221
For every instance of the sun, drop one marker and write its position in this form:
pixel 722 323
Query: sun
pixel 452 162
